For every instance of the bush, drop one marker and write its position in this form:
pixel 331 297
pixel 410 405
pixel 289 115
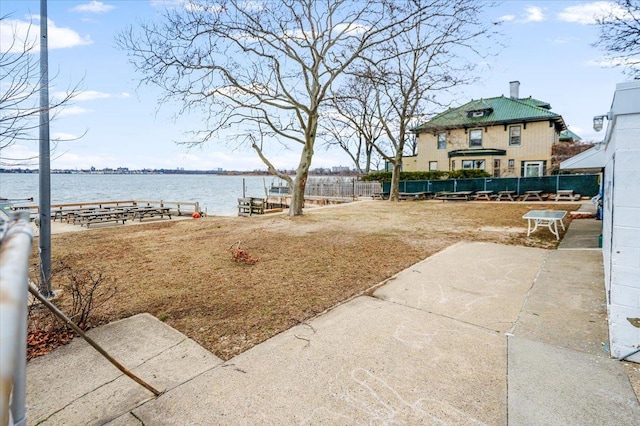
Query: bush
pixel 386 176
pixel 424 175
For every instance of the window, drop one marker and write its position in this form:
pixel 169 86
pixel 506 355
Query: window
pixel 453 164
pixel 496 167
pixel 476 114
pixel 433 165
pixel 442 141
pixel 473 164
pixel 533 168
pixel 475 138
pixel 514 136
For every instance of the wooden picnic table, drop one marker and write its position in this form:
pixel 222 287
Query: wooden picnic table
pixel 565 195
pixel 381 195
pixel 151 211
pixel 100 216
pixel 505 195
pixel 421 195
pixel 457 195
pixel 549 218
pixel 533 195
pixel 483 195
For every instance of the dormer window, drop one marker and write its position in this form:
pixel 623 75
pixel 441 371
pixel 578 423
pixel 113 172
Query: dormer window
pixel 479 113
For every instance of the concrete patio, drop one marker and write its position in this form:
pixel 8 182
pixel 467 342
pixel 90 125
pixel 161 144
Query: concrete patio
pixel 517 336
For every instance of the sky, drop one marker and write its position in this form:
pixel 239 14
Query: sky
pixel 546 45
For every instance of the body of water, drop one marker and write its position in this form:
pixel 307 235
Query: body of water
pixel 217 195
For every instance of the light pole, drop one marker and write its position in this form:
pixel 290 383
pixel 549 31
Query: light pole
pixel 44 207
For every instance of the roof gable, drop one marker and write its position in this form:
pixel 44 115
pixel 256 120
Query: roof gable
pixel 498 110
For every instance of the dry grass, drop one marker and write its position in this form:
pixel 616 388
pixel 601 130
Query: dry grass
pixel 183 271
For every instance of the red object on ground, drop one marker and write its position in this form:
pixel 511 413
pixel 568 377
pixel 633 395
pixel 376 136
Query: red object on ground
pixel 195 215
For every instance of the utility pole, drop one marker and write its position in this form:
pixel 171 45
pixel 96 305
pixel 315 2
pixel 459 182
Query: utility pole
pixel 44 207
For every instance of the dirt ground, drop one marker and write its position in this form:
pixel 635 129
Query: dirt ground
pixel 183 272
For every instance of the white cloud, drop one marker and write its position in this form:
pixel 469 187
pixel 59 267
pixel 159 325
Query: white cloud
pixel 61 136
pixel 72 110
pixel 533 14
pixel 588 13
pixel 15 34
pixel 90 95
pixel 92 7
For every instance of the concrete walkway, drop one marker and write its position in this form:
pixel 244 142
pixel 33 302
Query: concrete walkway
pixel 477 334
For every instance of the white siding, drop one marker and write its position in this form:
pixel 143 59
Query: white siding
pixel 621 221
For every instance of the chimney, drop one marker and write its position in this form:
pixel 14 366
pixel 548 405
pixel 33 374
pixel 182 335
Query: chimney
pixel 514 89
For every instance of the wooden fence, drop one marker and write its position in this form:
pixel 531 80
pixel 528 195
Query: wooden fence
pixel 327 189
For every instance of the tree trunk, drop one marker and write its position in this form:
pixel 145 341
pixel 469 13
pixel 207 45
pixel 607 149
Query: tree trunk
pixel 395 181
pixel 300 181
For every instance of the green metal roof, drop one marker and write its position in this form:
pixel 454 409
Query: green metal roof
pixel 568 135
pixel 499 110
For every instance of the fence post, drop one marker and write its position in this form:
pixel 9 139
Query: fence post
pixel 518 186
pixel 557 183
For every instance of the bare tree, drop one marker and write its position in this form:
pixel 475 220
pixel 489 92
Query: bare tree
pixel 264 67
pixel 352 123
pixel 620 35
pixel 20 94
pixel 408 71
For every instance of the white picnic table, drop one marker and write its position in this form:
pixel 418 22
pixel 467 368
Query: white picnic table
pixel 549 218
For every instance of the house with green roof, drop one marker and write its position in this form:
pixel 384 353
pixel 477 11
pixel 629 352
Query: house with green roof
pixel 505 136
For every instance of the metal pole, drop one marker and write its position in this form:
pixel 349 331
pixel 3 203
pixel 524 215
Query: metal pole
pixel 44 209
pixel 14 272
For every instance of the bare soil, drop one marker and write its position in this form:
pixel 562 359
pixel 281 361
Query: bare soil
pixel 187 273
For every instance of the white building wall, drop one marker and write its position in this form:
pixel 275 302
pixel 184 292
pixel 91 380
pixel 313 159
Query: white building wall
pixel 621 221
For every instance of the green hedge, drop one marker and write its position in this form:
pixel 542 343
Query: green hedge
pixel 433 175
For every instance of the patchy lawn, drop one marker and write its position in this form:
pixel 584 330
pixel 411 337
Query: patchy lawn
pixel 183 271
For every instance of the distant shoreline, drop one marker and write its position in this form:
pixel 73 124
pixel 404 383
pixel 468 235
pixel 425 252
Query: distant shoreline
pixel 350 173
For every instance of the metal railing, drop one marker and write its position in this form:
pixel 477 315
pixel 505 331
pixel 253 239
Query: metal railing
pixel 16 238
pixel 343 189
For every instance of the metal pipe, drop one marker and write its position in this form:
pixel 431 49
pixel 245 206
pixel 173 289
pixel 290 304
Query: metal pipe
pixel 34 291
pixel 14 275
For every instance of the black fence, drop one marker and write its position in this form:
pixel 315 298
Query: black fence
pixel 585 185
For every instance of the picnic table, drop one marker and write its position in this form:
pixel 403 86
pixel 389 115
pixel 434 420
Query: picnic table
pixel 505 195
pixel 532 195
pixel 549 218
pixel 421 195
pixel 565 195
pixel 100 216
pixel 483 195
pixel 141 212
pixel 381 195
pixel 458 195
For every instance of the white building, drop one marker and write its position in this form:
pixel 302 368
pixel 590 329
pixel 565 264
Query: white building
pixel 621 221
